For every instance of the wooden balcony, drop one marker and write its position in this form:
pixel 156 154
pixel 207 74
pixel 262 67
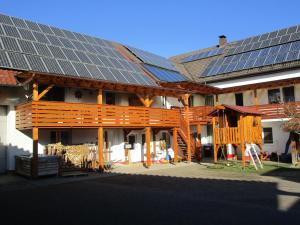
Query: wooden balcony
pixel 44 114
pixel 198 114
pixel 275 111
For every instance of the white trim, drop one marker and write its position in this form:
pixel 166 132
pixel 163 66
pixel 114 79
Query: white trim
pixel 257 79
pixel 275 120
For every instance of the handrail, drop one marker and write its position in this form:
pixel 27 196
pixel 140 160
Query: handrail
pixel 62 114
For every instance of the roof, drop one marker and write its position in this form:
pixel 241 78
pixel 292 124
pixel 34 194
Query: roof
pixel 39 48
pixel 7 78
pixel 240 109
pixel 272 51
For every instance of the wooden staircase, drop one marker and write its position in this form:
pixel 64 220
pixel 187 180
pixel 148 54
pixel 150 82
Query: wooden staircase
pixel 182 140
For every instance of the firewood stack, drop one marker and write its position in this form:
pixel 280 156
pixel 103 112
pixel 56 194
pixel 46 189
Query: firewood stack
pixel 76 156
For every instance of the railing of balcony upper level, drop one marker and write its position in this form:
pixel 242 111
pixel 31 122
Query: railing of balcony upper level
pixel 46 114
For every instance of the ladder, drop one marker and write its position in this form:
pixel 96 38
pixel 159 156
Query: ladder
pixel 254 156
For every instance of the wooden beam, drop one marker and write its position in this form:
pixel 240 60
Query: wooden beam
pixel 100 134
pixel 100 97
pixel 35 91
pixel 100 149
pixel 146 100
pixel 148 150
pixel 175 144
pixel 45 91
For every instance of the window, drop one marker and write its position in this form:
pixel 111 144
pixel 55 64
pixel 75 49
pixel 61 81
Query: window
pixel 268 135
pixel 239 99
pixel 274 96
pixel 209 100
pixel 191 101
pixel 288 94
pixel 110 98
pixel 131 140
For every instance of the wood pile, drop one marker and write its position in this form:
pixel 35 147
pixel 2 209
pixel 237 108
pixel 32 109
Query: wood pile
pixel 74 156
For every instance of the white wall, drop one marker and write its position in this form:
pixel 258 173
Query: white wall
pixel 280 137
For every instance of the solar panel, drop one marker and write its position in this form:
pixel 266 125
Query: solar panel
pixel 10 44
pixel 31 46
pixel 19 22
pixel 152 59
pixel 18 61
pixel 203 55
pixel 257 58
pixel 36 63
pixel 26 34
pixel 27 47
pixel 67 67
pixel 164 75
pixel 266 40
pixel 42 49
pixel 81 69
pixel 11 31
pixel 4 61
pixel 95 72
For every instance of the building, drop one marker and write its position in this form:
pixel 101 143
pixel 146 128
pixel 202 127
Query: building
pixel 62 86
pixel 260 71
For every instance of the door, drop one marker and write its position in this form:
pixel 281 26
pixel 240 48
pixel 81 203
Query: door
pixel 3 132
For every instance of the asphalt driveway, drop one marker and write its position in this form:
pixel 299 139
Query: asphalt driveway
pixel 154 197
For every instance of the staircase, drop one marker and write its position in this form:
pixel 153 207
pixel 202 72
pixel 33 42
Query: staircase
pixel 182 140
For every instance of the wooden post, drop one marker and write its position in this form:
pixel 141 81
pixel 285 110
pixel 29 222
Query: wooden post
pixel 35 136
pixel 175 144
pixel 100 149
pixel 242 138
pixel 100 134
pixel 215 140
pixel 148 150
pixel 147 102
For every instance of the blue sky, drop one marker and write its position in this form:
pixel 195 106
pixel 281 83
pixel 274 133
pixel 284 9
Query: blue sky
pixel 164 27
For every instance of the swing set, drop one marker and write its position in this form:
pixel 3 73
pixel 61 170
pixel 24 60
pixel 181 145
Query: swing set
pixel 239 126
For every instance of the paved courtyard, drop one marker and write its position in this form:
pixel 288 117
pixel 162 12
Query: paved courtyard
pixel 164 194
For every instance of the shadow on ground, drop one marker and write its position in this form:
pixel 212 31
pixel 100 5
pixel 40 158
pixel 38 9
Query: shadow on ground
pixel 148 199
pixel 290 174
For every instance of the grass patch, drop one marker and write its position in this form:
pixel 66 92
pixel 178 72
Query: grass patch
pixel 236 166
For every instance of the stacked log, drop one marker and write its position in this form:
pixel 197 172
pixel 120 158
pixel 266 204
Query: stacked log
pixel 74 156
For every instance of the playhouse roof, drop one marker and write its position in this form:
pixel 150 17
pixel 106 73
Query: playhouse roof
pixel 240 109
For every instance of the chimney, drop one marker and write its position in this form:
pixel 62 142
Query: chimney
pixel 222 40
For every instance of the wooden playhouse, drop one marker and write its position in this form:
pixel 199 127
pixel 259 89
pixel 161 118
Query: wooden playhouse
pixel 236 125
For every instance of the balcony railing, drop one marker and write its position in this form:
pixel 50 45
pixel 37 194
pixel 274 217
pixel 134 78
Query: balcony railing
pixel 45 114
pixel 276 111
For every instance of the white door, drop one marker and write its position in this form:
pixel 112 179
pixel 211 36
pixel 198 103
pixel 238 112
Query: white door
pixel 3 131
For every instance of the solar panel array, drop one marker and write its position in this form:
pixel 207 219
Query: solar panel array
pixel 266 40
pixel 164 74
pixel 152 59
pixel 257 58
pixel 29 46
pixel 203 55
